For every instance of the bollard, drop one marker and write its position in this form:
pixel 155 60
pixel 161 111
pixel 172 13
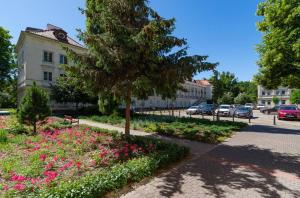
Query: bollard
pixel 232 117
pixel 190 115
pixel 274 120
pixel 202 116
pixel 249 119
pixel 179 113
pixel 218 117
pixel 160 112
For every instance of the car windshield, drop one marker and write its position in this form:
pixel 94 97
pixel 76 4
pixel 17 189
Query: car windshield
pixel 288 108
pixel 224 107
pixel 243 109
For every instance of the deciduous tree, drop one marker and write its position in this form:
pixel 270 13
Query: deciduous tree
pixel 295 97
pixel 280 48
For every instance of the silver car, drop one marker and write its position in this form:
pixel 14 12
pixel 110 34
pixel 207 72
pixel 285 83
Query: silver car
pixel 193 110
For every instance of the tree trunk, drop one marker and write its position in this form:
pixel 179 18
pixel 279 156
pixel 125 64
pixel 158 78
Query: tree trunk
pixel 127 113
pixel 34 128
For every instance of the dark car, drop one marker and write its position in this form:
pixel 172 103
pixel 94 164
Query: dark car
pixel 272 110
pixel 243 112
pixel 208 109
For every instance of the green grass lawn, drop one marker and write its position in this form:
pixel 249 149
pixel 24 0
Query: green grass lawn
pixel 76 161
pixel 189 128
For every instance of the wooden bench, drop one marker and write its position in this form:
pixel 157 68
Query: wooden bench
pixel 71 119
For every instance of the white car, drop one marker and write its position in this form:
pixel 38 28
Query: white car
pixel 223 110
pixel 193 110
pixel 249 105
pixel 260 106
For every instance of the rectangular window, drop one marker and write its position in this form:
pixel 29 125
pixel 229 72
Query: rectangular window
pixel 45 75
pixel 63 59
pixel 48 57
pixel 283 102
pixel 263 93
pixel 50 76
pixel 282 92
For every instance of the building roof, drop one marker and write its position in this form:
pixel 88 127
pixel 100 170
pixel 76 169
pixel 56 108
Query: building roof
pixel 54 33
pixel 203 82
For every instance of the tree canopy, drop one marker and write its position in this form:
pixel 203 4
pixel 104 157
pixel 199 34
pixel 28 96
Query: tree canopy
pixel 132 52
pixel 295 97
pixel 8 71
pixel 280 48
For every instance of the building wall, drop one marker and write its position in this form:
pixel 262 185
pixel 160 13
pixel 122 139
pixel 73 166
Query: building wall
pixel 32 66
pixel 266 96
pixel 194 94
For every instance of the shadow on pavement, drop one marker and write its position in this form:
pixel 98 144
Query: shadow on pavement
pixel 228 168
pixel 271 129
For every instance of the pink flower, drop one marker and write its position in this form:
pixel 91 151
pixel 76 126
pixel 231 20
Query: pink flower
pixel 55 158
pixel 43 157
pixel 51 175
pixel 19 187
pixel 5 188
pixel 117 154
pixel 18 178
pixel 50 165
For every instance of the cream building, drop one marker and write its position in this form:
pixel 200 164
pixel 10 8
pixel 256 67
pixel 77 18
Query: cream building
pixel 197 91
pixel 265 96
pixel 40 53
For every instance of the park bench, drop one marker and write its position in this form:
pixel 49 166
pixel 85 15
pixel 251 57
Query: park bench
pixel 71 119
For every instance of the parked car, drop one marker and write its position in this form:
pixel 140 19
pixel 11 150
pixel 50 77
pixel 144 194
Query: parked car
pixel 208 109
pixel 193 110
pixel 249 105
pixel 270 110
pixel 223 110
pixel 260 106
pixel 288 112
pixel 243 112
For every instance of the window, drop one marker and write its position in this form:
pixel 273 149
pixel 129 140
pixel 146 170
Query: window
pixel 269 102
pixel 263 93
pixel 63 59
pixel 283 102
pixel 48 57
pixel 282 92
pixel 45 75
pixel 48 76
pixel 263 102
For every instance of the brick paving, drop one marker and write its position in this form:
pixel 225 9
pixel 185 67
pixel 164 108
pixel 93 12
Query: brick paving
pixel 261 161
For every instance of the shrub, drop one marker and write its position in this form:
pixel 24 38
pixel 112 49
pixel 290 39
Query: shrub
pixel 34 106
pixel 3 136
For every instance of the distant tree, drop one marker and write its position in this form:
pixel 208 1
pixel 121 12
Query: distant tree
pixel 275 100
pixel 243 98
pixel 295 97
pixel 224 82
pixel 8 71
pixel 280 48
pixel 108 104
pixel 34 107
pixel 248 88
pixel 70 89
pixel 227 98
pixel 132 52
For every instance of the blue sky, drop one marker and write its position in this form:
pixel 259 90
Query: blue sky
pixel 224 30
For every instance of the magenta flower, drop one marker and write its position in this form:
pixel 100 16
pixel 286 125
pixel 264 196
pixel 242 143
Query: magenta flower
pixel 18 178
pixel 43 157
pixel 19 187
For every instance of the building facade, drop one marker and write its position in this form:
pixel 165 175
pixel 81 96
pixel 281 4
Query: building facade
pixel 197 91
pixel 265 96
pixel 40 54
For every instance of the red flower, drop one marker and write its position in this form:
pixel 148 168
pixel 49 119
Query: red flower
pixel 43 157
pixel 78 164
pixel 18 178
pixel 19 187
pixel 117 154
pixel 5 188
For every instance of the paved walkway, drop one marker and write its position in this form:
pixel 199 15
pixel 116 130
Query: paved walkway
pixel 261 161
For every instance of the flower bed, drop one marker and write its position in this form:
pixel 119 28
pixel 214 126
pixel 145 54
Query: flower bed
pixel 78 162
pixel 3 122
pixel 189 128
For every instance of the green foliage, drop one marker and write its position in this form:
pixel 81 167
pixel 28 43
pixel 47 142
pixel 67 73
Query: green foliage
pixel 34 106
pixel 69 89
pixel 275 100
pixel 8 71
pixel 243 98
pixel 295 97
pixel 108 104
pixel 280 48
pixel 3 136
pixel 188 128
pixel 227 98
pixel 134 53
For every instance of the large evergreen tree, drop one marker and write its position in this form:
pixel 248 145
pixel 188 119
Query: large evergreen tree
pixel 34 106
pixel 131 52
pixel 280 49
